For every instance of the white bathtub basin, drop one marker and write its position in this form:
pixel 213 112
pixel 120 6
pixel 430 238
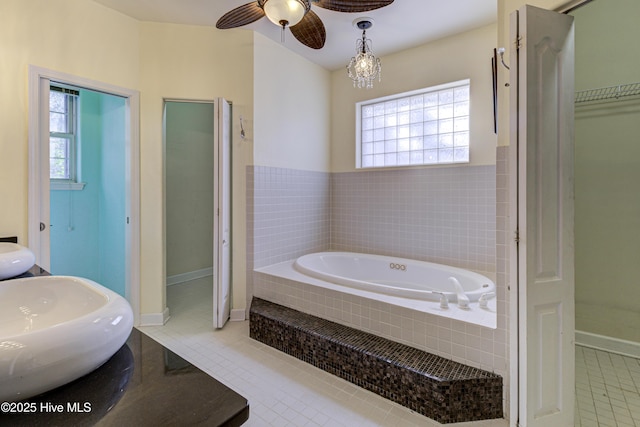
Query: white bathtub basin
pixel 14 260
pixel 54 329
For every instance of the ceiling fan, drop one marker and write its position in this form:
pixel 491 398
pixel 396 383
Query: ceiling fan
pixel 304 24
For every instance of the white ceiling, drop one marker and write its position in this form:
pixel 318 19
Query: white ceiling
pixel 401 25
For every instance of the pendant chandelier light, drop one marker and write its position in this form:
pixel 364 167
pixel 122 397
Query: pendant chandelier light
pixel 364 68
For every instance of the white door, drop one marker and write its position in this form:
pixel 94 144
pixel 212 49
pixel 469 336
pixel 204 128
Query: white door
pixel 543 130
pixel 222 219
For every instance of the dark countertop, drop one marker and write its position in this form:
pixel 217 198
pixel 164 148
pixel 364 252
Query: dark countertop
pixel 143 384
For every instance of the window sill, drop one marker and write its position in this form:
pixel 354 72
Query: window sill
pixel 73 186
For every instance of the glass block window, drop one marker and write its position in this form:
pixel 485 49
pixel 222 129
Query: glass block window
pixel 424 127
pixel 63 119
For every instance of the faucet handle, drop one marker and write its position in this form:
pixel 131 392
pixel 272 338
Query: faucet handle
pixel 484 299
pixel 444 301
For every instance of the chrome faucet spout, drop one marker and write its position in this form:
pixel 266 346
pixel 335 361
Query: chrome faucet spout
pixel 461 296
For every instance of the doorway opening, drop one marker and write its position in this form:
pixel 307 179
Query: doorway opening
pixel 119 165
pixel 87 184
pixel 197 207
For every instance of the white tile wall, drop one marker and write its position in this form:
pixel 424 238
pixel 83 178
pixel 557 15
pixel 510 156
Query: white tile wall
pixel 444 214
pixel 452 215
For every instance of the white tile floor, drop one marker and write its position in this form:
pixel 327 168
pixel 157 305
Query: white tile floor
pixel 607 389
pixel 281 390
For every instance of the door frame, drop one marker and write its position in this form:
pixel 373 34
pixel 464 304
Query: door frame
pixel 38 188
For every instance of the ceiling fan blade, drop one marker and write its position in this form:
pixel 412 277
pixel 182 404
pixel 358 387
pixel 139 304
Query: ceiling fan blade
pixel 351 5
pixel 310 31
pixel 242 15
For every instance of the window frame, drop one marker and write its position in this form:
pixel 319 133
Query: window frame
pixel 72 100
pixel 359 106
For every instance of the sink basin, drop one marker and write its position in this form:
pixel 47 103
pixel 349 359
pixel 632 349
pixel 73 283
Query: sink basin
pixel 14 260
pixel 54 329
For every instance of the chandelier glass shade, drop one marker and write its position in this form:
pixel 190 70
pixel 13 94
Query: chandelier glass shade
pixel 364 68
pixel 285 12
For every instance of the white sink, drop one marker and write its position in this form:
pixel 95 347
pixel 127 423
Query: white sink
pixel 14 260
pixel 54 329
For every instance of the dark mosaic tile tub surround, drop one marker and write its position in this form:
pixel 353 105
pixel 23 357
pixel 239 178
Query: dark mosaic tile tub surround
pixel 441 389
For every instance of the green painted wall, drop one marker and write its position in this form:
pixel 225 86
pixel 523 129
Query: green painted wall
pixel 88 226
pixel 607 173
pixel 189 183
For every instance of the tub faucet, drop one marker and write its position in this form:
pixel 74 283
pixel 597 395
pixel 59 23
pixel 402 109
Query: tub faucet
pixel 463 299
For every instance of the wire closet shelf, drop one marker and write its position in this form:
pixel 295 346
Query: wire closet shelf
pixel 611 92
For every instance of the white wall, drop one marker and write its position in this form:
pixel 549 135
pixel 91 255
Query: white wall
pixel 200 63
pixel 76 37
pixel 466 55
pixel 292 104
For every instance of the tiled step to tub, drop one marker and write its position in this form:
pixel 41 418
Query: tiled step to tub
pixel 441 389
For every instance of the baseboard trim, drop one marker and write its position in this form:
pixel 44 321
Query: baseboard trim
pixel 155 319
pixel 237 315
pixel 191 275
pixel 612 345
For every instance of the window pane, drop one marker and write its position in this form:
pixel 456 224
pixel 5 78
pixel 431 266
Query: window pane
pixel 416 157
pixel 431 113
pixel 390 146
pixel 461 93
pixel 445 111
pixel 57 102
pixel 431 142
pixel 445 126
pixel 390 107
pixel 58 148
pixel 461 109
pixel 461 154
pixel 404 158
pixel 445 96
pixel 430 156
pixel 417 102
pixel 390 120
pixel 390 133
pixel 58 169
pixel 445 156
pixel 58 123
pixel 416 144
pixel 404 104
pixel 461 124
pixel 390 159
pixel 461 139
pixel 431 99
